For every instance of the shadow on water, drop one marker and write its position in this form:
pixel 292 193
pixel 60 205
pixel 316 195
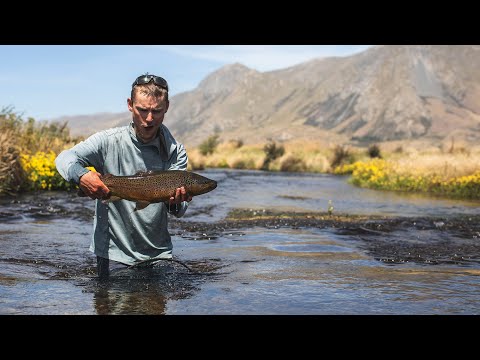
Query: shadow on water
pixel 147 290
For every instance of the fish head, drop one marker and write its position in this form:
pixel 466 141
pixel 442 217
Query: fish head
pixel 201 185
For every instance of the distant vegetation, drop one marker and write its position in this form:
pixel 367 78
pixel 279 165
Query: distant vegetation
pixel 341 155
pixel 28 149
pixel 454 175
pixel 374 151
pixel 441 171
pixel 272 152
pixel 209 145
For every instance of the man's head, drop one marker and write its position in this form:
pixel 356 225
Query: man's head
pixel 148 103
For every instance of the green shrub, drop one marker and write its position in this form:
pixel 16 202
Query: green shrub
pixel 209 145
pixel 374 151
pixel 272 152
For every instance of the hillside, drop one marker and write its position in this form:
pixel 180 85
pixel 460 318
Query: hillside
pixel 386 93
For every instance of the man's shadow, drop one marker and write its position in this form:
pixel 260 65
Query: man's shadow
pixel 143 291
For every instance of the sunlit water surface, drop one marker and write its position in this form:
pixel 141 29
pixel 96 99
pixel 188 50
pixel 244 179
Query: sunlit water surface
pixel 46 268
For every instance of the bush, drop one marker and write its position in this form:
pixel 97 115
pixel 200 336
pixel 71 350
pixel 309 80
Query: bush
pixel 293 164
pixel 237 144
pixel 19 139
pixel 239 164
pixel 12 175
pixel 272 152
pixel 42 173
pixel 341 155
pixel 374 151
pixel 209 145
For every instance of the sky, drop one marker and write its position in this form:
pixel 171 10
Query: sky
pixel 49 81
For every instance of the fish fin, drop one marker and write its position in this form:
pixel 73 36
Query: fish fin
pixel 141 205
pixel 106 176
pixel 110 199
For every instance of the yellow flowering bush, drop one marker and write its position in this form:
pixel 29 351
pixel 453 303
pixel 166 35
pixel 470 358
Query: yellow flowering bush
pixel 42 173
pixel 384 175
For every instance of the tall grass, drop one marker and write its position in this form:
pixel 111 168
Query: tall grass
pixel 27 151
pixel 12 174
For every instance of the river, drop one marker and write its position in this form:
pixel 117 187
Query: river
pixel 416 255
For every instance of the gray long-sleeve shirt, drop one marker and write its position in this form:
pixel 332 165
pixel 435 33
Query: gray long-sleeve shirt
pixel 119 232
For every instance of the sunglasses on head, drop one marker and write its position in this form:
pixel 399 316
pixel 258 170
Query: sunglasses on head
pixel 145 79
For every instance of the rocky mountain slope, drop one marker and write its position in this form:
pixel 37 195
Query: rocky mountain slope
pixel 382 94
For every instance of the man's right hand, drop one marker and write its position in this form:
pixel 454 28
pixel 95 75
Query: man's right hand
pixel 92 185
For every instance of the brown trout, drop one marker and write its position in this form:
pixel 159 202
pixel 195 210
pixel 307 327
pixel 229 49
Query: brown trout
pixel 155 186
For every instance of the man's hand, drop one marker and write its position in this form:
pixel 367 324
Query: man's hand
pixel 180 195
pixel 93 186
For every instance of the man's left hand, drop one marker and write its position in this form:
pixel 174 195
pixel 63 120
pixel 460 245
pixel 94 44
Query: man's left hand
pixel 180 195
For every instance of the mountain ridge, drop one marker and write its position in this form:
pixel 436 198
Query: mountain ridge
pixel 385 93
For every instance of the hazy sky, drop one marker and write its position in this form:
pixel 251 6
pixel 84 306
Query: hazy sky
pixel 49 81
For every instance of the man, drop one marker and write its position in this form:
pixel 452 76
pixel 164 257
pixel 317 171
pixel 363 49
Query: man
pixel 120 233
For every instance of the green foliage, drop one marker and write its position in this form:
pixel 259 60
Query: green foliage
pixel 272 152
pixel 374 151
pixel 209 145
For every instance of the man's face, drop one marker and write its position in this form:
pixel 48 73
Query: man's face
pixel 148 113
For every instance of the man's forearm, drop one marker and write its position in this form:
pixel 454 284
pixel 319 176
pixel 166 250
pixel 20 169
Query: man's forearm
pixel 69 166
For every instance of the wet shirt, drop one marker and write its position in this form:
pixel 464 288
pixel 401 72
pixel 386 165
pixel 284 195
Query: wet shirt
pixel 119 232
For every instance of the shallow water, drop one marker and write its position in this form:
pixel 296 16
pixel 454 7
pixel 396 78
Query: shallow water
pixel 418 264
pixel 300 192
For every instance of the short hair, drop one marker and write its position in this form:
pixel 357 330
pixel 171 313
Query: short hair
pixel 149 89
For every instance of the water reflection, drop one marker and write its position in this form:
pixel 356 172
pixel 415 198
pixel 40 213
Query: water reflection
pixel 115 297
pixel 143 291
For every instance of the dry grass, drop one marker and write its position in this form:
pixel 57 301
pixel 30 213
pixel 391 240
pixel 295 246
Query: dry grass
pixel 301 156
pixel 445 165
pixel 25 138
pixel 11 173
pixel 228 155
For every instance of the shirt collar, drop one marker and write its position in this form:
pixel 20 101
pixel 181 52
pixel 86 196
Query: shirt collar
pixel 158 141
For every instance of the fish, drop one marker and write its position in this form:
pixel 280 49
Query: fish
pixel 146 187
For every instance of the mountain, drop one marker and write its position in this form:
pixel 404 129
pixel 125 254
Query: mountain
pixel 385 93
pixel 86 125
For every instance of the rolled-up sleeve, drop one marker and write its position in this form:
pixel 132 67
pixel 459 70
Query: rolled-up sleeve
pixel 72 163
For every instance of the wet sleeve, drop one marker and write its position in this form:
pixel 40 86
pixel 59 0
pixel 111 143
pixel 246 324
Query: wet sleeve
pixel 72 163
